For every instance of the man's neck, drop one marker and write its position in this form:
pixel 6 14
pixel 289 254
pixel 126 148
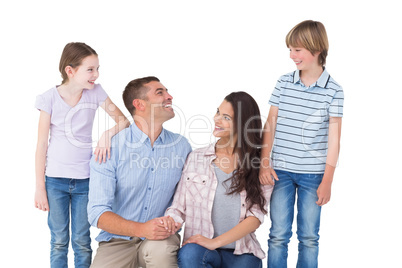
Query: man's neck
pixel 151 129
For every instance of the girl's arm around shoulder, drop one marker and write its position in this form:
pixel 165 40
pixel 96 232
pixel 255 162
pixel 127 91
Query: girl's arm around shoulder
pixel 102 150
pixel 40 161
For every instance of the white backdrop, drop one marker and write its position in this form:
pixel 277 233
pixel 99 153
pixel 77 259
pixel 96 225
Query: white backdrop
pixel 201 51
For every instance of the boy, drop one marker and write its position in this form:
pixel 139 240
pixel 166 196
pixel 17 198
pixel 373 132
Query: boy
pixel 305 121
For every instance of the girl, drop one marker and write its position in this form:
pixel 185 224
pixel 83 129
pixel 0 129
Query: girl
pixel 62 163
pixel 219 196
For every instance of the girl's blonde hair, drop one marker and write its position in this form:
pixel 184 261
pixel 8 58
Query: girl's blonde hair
pixel 312 36
pixel 73 54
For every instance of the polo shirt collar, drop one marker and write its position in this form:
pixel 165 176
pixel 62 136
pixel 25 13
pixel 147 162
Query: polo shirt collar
pixel 321 82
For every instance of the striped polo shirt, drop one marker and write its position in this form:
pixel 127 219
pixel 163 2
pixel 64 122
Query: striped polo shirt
pixel 301 137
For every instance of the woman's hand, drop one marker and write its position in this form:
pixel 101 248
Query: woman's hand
pixel 169 224
pixel 210 244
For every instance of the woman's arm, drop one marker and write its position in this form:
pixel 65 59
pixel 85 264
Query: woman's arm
pixel 41 201
pixel 248 225
pixel 103 148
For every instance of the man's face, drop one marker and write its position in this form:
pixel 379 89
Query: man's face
pixel 158 102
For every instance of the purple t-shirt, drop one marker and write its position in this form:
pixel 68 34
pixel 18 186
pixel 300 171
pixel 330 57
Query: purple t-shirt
pixel 70 143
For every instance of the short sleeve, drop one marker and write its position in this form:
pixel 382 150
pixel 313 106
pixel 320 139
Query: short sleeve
pixel 336 106
pixel 274 100
pixel 43 104
pixel 101 94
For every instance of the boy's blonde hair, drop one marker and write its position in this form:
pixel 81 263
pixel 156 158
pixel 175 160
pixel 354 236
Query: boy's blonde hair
pixel 312 36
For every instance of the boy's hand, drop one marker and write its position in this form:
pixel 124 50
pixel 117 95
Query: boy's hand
pixel 324 193
pixel 267 174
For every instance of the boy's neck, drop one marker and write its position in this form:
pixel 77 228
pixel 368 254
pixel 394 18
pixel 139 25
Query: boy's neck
pixel 310 76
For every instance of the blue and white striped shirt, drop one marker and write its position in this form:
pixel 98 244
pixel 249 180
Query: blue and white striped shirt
pixel 138 181
pixel 301 137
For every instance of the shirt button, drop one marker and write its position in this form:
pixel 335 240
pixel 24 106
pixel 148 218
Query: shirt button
pixel 146 208
pixel 153 149
pixel 149 188
pixel 152 169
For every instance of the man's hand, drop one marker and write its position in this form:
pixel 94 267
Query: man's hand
pixel 159 228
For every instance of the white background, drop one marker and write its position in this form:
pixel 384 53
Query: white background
pixel 202 51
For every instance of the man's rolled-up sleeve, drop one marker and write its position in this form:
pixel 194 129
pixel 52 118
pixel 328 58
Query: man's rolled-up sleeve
pixel 102 185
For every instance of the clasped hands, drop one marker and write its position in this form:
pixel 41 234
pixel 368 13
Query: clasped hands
pixel 160 228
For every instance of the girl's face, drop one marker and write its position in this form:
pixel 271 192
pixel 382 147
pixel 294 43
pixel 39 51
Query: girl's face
pixel 224 124
pixel 303 58
pixel 86 74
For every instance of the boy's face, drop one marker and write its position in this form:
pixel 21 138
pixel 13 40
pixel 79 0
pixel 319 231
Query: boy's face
pixel 303 58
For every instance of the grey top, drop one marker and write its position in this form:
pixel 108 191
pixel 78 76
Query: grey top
pixel 226 208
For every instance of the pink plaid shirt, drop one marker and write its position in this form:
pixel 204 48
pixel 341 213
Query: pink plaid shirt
pixel 194 198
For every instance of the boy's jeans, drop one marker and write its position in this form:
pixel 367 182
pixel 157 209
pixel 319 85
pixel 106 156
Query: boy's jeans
pixel 62 192
pixel 282 213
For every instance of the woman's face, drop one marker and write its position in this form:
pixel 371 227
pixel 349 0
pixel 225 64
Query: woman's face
pixel 224 121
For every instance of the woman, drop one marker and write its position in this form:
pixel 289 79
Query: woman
pixel 219 196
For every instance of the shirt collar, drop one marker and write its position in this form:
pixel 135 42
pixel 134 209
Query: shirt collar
pixel 142 137
pixel 321 82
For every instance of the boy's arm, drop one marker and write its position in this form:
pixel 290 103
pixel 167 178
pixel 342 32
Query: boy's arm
pixel 266 172
pixel 103 147
pixel 334 138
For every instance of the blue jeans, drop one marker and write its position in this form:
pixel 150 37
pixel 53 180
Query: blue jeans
pixel 196 256
pixel 282 213
pixel 63 193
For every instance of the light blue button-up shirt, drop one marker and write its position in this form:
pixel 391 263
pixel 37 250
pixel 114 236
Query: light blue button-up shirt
pixel 138 181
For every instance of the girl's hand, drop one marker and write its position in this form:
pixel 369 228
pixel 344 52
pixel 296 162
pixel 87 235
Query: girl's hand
pixel 41 202
pixel 102 150
pixel 202 241
pixel 267 174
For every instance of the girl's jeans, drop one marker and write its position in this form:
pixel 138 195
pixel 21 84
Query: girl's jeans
pixel 65 194
pixel 282 213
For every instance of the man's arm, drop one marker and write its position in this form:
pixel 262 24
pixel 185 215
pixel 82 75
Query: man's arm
pixel 152 229
pixel 102 188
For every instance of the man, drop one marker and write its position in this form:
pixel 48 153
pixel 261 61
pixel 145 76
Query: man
pixel 130 192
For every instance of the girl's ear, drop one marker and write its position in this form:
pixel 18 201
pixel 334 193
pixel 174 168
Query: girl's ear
pixel 139 104
pixel 69 71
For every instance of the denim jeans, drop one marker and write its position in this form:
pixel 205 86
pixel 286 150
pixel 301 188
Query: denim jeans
pixel 282 213
pixel 196 256
pixel 64 195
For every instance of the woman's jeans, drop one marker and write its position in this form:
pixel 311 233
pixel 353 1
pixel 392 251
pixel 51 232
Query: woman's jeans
pixel 282 213
pixel 64 195
pixel 196 256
